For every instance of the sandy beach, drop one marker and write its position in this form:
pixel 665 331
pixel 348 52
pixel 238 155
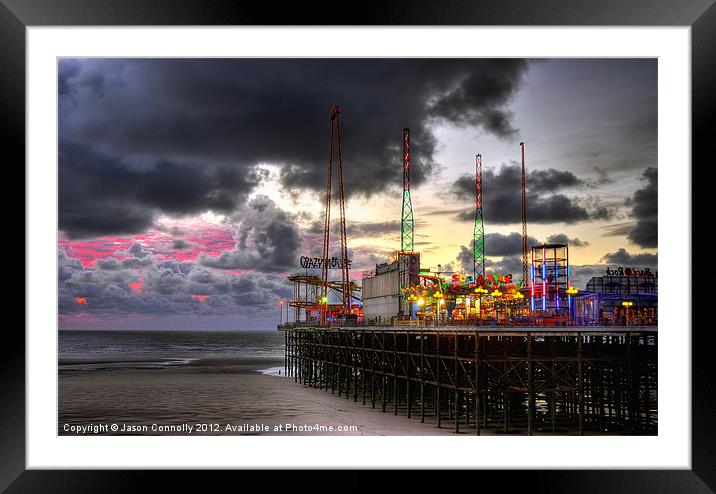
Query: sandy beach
pixel 224 396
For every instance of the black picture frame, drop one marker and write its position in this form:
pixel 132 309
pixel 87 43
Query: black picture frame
pixel 16 15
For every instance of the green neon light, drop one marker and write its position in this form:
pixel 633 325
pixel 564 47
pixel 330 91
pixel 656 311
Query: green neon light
pixel 478 246
pixel 407 224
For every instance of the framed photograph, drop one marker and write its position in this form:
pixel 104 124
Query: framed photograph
pixel 427 237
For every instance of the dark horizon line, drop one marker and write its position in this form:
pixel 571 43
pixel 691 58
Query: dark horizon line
pixel 164 329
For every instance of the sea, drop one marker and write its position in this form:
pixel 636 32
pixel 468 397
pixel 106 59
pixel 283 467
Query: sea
pixel 107 349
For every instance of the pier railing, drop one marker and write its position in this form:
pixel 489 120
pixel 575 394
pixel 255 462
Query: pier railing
pixel 506 381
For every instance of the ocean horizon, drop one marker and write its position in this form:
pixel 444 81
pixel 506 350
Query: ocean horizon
pixel 92 349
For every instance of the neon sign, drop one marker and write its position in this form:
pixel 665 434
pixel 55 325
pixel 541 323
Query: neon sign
pixel 317 262
pixel 620 271
pixel 481 281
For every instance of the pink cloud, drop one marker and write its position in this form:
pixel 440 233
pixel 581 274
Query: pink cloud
pixel 204 238
pixel 88 251
pixel 137 285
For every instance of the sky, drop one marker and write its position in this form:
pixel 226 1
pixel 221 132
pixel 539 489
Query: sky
pixel 189 188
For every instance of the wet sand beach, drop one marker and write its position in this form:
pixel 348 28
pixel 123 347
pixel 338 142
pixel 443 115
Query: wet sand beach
pixel 229 396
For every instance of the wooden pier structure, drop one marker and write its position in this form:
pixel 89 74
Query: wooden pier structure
pixel 574 380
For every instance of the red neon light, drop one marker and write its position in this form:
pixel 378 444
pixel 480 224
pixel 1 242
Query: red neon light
pixel 406 143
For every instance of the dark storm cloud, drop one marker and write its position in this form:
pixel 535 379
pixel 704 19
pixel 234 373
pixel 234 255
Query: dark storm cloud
pixel 601 213
pixel 644 208
pixel 497 245
pixel 267 240
pixel 137 250
pixel 562 238
pixel 550 180
pixel 581 274
pixel 181 136
pixel 66 266
pixel 503 253
pixel 101 195
pixel 465 260
pixel 502 200
pixel 478 99
pixel 623 257
pixel 509 176
pixel 506 265
pixel 180 244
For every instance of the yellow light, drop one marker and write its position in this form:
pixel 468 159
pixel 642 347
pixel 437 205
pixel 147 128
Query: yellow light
pixel 572 291
pixel 496 293
pixel 421 302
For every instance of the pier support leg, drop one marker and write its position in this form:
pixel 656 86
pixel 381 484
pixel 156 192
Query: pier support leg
pixel 504 409
pixel 395 373
pixel 437 401
pixel 362 366
pixel 477 384
pixel 457 391
pixel 355 373
pixel 422 380
pixel 408 365
pixel 438 364
pixel 372 369
pixel 457 411
pixel 580 383
pixel 382 394
pixel 530 386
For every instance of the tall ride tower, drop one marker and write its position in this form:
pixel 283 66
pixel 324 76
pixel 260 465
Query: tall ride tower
pixel 525 264
pixel 407 223
pixel 335 134
pixel 478 233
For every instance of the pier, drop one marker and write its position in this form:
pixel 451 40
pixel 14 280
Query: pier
pixel 482 380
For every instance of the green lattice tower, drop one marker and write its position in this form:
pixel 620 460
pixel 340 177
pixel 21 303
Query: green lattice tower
pixel 407 223
pixel 478 233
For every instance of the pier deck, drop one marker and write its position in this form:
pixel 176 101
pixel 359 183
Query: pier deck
pixel 505 380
